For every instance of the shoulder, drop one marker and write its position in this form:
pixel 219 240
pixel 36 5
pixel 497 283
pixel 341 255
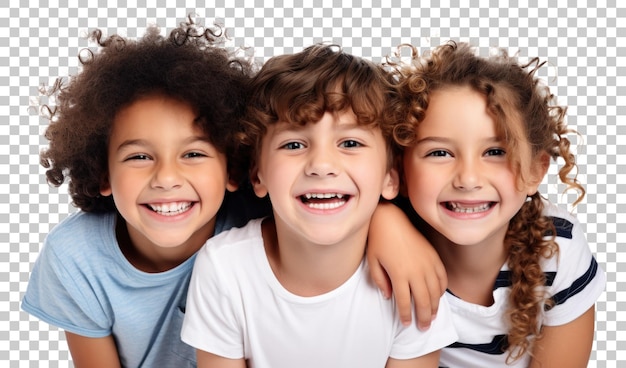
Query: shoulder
pixel 243 234
pixel 570 234
pixel 574 278
pixel 81 233
pixel 564 222
pixel 236 243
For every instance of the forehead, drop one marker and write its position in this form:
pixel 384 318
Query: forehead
pixel 153 116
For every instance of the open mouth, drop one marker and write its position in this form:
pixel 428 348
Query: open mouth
pixel 324 201
pixel 170 209
pixel 467 208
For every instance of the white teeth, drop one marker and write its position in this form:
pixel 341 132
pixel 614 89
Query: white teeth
pixel 170 209
pixel 323 195
pixel 336 200
pixel 456 207
pixel 326 206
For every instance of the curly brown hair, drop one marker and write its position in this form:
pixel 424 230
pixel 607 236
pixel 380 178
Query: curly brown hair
pixel 299 88
pixel 514 94
pixel 189 65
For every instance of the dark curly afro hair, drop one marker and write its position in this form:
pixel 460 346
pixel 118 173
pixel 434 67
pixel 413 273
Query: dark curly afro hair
pixel 190 65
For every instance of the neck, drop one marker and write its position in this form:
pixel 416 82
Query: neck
pixel 308 269
pixel 472 269
pixel 148 257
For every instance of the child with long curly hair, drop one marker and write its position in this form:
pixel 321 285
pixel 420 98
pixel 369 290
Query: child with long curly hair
pixel 144 134
pixel 475 137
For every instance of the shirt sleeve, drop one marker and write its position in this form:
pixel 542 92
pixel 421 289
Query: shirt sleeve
pixel 579 280
pixel 410 342
pixel 211 322
pixel 58 293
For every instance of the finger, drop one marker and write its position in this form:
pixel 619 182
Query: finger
pixel 442 277
pixel 402 293
pixel 434 293
pixel 380 278
pixel 423 303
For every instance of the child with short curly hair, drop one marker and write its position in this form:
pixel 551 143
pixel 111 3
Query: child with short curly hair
pixel 144 133
pixel 293 290
pixel 475 136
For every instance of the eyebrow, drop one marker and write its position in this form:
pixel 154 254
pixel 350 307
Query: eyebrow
pixel 144 142
pixel 342 126
pixel 435 139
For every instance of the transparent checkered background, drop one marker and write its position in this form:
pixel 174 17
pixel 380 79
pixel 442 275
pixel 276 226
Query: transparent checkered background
pixel 583 41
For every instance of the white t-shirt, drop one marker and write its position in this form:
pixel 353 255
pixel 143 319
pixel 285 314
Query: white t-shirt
pixel 236 308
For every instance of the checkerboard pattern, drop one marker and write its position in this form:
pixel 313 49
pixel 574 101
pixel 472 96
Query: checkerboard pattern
pixel 583 43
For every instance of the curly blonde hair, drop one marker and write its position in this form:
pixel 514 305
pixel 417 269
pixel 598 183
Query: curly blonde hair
pixel 513 94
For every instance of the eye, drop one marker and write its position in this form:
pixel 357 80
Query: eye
pixel 350 143
pixel 293 146
pixel 137 157
pixel 495 152
pixel 438 153
pixel 194 154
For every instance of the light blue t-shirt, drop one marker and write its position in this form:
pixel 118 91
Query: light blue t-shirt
pixel 82 283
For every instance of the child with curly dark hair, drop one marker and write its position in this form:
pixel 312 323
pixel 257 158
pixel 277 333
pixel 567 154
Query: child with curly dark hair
pixel 144 133
pixel 293 289
pixel 475 137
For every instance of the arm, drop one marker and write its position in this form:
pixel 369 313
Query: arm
pixel 207 360
pixel 403 260
pixel 568 345
pixel 428 360
pixel 93 352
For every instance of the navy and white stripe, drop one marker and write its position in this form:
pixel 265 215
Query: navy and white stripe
pixel 573 279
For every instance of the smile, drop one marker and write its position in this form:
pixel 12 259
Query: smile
pixel 170 209
pixel 324 201
pixel 464 208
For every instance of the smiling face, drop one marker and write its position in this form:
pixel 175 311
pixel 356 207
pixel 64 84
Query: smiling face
pixel 325 178
pixel 458 177
pixel 166 178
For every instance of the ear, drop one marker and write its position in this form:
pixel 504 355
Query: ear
pixel 257 183
pixel 538 172
pixel 105 187
pixel 391 186
pixel 231 185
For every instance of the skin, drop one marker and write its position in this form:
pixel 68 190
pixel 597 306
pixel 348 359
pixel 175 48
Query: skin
pixel 316 245
pixel 409 267
pixel 460 153
pixel 158 159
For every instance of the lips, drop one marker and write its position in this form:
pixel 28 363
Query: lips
pixel 459 207
pixel 170 209
pixel 324 201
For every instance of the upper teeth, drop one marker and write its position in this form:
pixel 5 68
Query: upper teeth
pixel 456 207
pixel 323 195
pixel 170 208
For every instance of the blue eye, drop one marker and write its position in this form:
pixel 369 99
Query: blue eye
pixel 293 146
pixel 350 143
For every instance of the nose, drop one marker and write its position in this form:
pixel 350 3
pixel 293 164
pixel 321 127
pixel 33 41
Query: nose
pixel 468 175
pixel 322 162
pixel 167 176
